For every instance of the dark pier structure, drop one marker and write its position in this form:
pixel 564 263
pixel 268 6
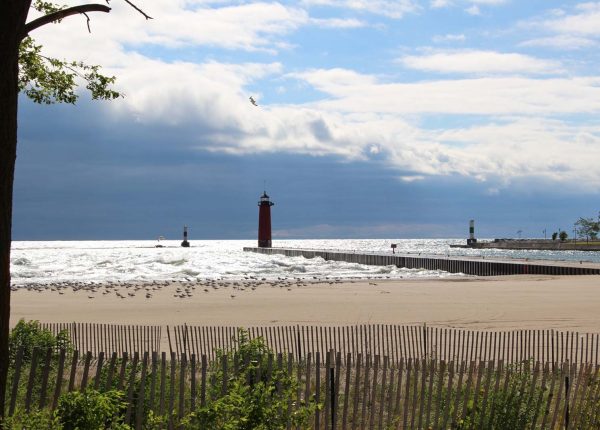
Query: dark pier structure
pixel 466 265
pixel 185 242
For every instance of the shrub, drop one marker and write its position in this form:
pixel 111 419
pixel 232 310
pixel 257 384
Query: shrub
pixel 255 400
pixel 92 410
pixel 31 421
pixel 30 335
pixel 510 409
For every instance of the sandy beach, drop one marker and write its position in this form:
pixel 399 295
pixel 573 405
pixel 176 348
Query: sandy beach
pixel 500 303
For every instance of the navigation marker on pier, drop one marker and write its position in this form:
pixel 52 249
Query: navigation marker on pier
pixel 185 242
pixel 471 238
pixel 264 221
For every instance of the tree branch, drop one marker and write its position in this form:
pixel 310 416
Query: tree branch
pixel 57 16
pixel 138 9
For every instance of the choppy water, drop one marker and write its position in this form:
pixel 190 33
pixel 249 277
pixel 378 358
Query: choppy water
pixel 45 262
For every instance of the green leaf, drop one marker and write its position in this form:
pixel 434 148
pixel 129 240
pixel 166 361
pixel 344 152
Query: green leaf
pixel 48 80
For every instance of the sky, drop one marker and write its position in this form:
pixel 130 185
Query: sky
pixel 375 119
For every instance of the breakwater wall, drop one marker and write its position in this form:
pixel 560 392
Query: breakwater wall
pixel 537 244
pixel 467 266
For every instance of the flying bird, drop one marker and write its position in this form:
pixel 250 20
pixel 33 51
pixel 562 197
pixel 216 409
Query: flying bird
pixel 253 101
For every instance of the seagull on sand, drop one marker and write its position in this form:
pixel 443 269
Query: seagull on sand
pixel 253 101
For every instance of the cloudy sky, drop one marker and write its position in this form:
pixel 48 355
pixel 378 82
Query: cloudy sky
pixel 376 119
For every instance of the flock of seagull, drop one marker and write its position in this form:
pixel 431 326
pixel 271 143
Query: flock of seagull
pixel 182 289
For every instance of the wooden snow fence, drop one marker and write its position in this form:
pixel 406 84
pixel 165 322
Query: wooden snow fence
pixel 397 342
pixel 109 338
pixel 369 392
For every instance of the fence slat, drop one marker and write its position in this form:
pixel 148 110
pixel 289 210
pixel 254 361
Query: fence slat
pixel 31 380
pixel 407 393
pixel 131 386
pixel 86 369
pixel 383 390
pixel 182 381
pixel 373 396
pixel 16 379
pixel 141 395
pixel 356 391
pixel 46 373
pixel 365 392
pixel 111 371
pixel 448 398
pixel 59 378
pixel 98 370
pixel 173 368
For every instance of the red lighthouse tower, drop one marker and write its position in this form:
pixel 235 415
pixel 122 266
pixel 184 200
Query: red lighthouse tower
pixel 264 221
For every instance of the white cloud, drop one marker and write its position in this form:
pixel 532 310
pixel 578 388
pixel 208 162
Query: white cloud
pixel 489 2
pixel 364 117
pixel 480 62
pixel 250 27
pixel 564 42
pixel 338 23
pixel 390 8
pixel 439 4
pixel 449 38
pixel 473 10
pixel 585 21
pixel 353 92
pixel 359 115
pixel 413 178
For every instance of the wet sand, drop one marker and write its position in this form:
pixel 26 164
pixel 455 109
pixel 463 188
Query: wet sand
pixel 499 303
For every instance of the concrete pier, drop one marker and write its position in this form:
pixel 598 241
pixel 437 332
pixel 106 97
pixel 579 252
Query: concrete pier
pixel 466 265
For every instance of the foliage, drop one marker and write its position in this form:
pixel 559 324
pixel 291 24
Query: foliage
pixel 130 370
pixel 563 235
pixel 30 335
pixel 588 227
pixel 506 409
pixel 77 410
pixel 589 418
pixel 50 80
pixel 21 420
pixel 554 235
pixel 256 398
pixel 46 7
pixel 92 410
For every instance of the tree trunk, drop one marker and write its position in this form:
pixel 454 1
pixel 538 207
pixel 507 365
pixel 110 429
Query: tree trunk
pixel 13 14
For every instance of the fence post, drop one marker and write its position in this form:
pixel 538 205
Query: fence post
pixel 15 386
pixel 169 338
pixel 332 392
pixel 567 402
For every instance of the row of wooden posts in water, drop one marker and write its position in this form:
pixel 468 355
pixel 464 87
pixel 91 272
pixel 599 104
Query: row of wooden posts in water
pixel 367 393
pixel 468 266
pixel 394 341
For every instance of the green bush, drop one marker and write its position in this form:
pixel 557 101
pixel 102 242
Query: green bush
pixel 255 399
pixel 30 335
pixel 510 409
pixel 137 382
pixel 77 410
pixel 36 420
pixel 92 410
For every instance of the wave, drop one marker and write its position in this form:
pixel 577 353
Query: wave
pixel 98 261
pixel 21 261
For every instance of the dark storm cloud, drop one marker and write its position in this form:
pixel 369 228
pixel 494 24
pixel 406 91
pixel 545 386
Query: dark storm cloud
pixel 82 174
